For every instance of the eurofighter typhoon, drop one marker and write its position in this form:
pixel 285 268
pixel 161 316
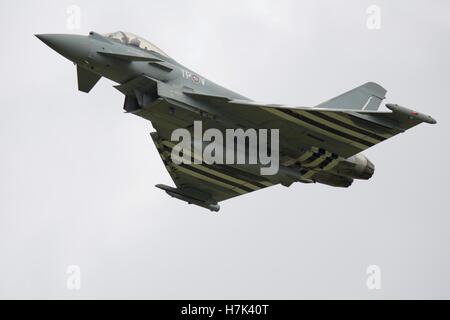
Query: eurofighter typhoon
pixel 217 144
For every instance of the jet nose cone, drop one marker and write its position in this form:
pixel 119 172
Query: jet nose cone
pixel 40 37
pixel 73 47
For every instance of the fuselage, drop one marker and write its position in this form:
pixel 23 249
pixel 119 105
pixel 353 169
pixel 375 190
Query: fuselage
pixel 121 71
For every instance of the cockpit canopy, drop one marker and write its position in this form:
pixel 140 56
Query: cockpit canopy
pixel 134 40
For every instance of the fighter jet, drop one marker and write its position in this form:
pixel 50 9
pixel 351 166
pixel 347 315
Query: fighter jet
pixel 320 144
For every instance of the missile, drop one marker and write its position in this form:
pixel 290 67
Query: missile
pixel 178 194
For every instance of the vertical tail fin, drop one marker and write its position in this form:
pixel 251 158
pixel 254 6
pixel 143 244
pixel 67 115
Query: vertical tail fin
pixel 365 97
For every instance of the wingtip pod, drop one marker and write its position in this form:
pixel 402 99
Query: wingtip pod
pixel 180 195
pixel 411 113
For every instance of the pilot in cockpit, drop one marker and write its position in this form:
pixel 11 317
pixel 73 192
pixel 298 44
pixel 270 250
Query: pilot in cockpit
pixel 135 42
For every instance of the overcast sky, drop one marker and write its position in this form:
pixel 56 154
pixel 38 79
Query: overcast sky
pixel 77 175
